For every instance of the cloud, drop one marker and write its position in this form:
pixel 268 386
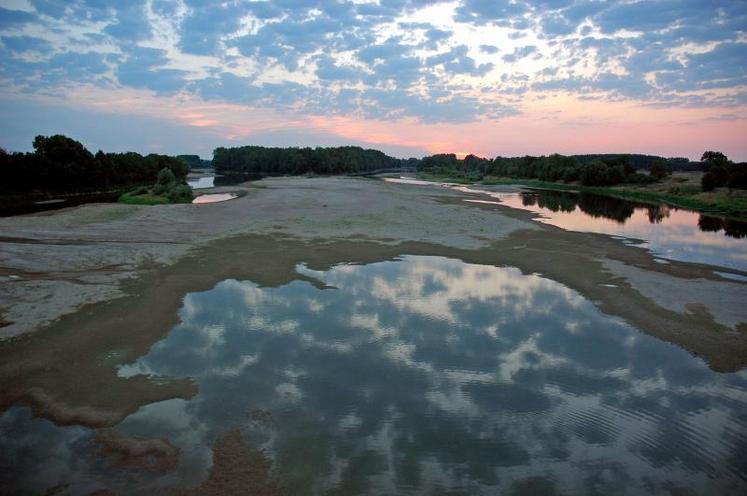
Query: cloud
pixel 52 8
pixel 20 44
pixel 434 61
pixel 456 61
pixel 501 12
pixel 520 53
pixel 131 23
pixel 14 18
pixel 202 30
pixel 143 68
pixel 328 70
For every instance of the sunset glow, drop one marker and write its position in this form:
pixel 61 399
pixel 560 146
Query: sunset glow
pixel 409 77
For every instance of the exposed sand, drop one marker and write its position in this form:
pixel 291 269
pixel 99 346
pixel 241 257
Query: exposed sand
pixel 52 263
pixel 101 283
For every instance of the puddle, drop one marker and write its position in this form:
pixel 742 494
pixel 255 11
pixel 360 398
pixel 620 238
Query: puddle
pixel 215 198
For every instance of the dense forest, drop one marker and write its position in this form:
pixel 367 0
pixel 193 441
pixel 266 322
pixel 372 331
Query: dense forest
pixel 60 164
pixel 278 161
pixel 195 162
pixel 646 162
pixel 614 169
pixel 591 170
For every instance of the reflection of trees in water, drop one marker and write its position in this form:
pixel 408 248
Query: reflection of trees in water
pixel 621 210
pixel 594 205
pixel 731 228
pixel 657 213
pixel 557 201
pixel 609 208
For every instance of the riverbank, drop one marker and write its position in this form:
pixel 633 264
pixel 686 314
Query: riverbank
pixel 680 190
pixel 86 289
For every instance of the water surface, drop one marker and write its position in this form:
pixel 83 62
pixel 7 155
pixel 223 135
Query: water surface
pixel 202 182
pixel 214 198
pixel 424 375
pixel 668 232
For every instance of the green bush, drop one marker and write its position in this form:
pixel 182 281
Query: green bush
pixel 180 194
pixel 709 181
pixel 638 178
pixel 660 169
pixel 165 176
pixel 160 189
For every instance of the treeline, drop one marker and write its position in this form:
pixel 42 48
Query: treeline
pixel 589 170
pixel 195 162
pixel 60 164
pixel 640 161
pixel 613 169
pixel 279 161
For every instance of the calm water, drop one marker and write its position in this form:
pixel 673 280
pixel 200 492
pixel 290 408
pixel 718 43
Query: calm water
pixel 202 182
pixel 222 180
pixel 419 376
pixel 668 232
pixel 214 198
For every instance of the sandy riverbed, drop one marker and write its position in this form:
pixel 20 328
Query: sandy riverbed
pixel 87 288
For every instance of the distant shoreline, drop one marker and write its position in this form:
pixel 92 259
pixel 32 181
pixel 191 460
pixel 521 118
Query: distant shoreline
pixel 718 203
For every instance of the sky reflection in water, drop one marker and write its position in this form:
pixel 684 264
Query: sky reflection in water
pixel 428 374
pixel 202 182
pixel 668 232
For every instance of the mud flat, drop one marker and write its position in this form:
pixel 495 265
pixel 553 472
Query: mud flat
pixel 86 289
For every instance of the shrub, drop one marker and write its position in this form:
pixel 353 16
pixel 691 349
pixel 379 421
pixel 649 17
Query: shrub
pixel 660 169
pixel 639 178
pixel 180 194
pixel 738 177
pixel 597 173
pixel 165 176
pixel 708 182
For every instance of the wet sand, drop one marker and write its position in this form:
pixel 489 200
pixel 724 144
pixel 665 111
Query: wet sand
pixel 86 289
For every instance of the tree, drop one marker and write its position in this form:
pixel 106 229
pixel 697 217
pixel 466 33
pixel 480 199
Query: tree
pixel 660 169
pixel 711 158
pixel 708 182
pixel 61 149
pixel 738 176
pixel 717 165
pixel 165 176
pixel 165 181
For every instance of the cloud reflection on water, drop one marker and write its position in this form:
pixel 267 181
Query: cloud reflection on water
pixel 429 373
pixel 426 375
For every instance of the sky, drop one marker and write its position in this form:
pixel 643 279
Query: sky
pixel 409 77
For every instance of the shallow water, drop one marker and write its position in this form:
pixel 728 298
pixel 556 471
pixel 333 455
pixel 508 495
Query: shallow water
pixel 202 182
pixel 419 376
pixel 668 232
pixel 214 198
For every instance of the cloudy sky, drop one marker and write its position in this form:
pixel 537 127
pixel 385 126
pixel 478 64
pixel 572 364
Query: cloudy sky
pixel 410 77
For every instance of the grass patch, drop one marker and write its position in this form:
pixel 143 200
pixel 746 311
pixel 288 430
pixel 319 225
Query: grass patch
pixel 143 199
